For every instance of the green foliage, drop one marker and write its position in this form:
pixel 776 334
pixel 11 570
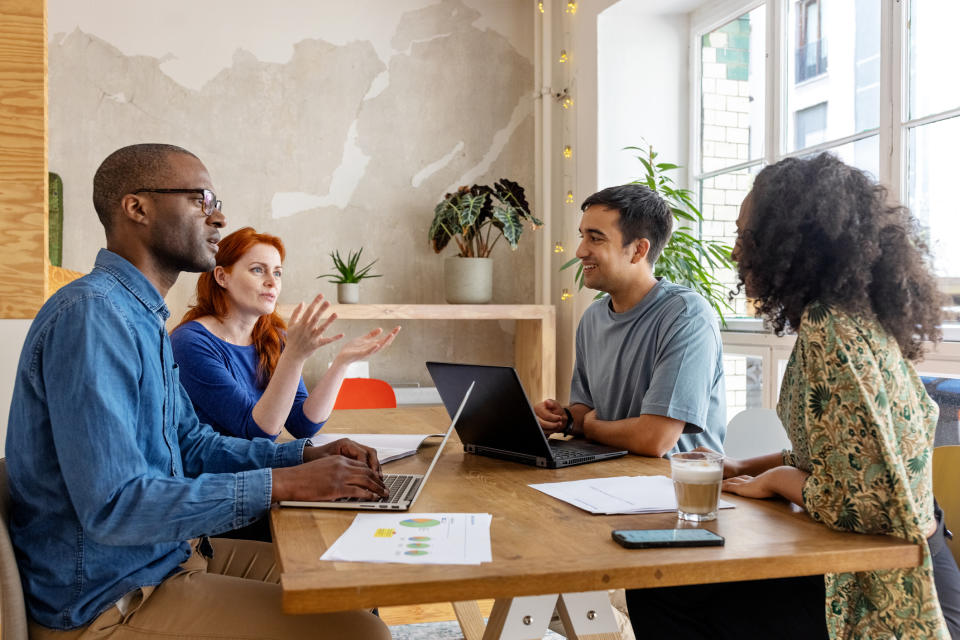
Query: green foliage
pixel 472 214
pixel 347 270
pixel 687 259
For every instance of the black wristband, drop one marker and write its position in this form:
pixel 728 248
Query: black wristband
pixel 568 427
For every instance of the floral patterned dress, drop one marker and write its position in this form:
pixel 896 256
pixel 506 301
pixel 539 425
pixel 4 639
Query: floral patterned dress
pixel 862 425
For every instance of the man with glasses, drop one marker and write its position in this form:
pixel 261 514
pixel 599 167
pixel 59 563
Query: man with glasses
pixel 114 483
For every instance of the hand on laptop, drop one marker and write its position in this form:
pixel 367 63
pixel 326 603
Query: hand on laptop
pixel 550 415
pixel 328 478
pixel 348 448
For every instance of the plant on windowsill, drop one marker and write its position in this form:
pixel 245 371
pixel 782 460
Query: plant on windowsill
pixel 687 259
pixel 470 216
pixel 348 276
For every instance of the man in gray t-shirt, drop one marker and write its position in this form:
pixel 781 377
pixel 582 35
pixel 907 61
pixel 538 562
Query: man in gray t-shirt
pixel 648 375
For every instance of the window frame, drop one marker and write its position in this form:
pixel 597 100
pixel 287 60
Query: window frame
pixel 892 132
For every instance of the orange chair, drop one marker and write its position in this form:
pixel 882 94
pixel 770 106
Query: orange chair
pixel 365 393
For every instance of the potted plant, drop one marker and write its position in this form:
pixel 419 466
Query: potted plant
pixel 348 276
pixel 476 218
pixel 687 259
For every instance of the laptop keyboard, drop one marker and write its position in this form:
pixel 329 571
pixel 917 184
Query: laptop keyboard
pixel 396 483
pixel 566 449
pixel 565 453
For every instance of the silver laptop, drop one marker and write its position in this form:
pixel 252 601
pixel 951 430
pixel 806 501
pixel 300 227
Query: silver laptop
pixel 404 488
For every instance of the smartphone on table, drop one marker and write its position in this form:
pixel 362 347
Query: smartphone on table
pixel 650 538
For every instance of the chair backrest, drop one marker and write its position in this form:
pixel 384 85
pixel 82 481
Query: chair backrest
pixel 754 432
pixel 946 393
pixel 13 614
pixel 365 393
pixel 946 488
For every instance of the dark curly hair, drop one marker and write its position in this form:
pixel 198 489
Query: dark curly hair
pixel 819 230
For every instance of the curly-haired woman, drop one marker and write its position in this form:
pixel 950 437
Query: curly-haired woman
pixel 824 253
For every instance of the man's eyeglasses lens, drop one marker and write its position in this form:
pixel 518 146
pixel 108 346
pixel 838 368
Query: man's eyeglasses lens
pixel 210 202
pixel 208 205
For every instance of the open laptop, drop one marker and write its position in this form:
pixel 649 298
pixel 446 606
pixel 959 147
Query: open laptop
pixel 404 488
pixel 499 421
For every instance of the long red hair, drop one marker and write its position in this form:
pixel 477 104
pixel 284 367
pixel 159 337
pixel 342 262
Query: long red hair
pixel 268 332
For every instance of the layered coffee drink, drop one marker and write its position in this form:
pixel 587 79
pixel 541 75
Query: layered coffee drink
pixel 697 477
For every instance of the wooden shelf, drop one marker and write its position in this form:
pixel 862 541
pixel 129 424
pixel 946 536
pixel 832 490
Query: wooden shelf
pixel 534 349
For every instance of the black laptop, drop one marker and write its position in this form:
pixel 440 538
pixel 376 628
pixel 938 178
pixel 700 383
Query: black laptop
pixel 498 421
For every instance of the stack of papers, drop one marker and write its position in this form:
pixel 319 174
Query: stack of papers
pixel 420 538
pixel 623 494
pixel 389 446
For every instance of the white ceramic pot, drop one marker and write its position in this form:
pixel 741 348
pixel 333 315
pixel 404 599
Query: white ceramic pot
pixel 348 292
pixel 468 280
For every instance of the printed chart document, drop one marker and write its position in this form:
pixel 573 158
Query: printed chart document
pixel 622 494
pixel 421 538
pixel 389 446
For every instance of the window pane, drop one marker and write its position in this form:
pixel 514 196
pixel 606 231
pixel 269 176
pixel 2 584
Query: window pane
pixel 933 86
pixel 720 199
pixel 743 376
pixel 811 126
pixel 732 92
pixel 862 154
pixel 833 70
pixel 932 190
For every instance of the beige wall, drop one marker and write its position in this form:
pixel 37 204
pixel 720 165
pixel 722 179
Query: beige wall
pixel 334 125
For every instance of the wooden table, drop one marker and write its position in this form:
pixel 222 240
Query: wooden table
pixel 544 546
pixel 534 345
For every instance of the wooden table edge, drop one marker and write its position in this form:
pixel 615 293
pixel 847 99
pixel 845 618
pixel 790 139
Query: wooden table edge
pixel 300 597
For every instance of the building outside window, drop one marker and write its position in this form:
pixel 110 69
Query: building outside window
pixel 811 50
pixel 750 114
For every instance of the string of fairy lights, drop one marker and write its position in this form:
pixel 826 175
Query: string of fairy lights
pixel 565 100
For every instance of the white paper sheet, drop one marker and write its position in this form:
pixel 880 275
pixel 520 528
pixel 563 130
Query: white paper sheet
pixel 621 494
pixel 415 538
pixel 389 446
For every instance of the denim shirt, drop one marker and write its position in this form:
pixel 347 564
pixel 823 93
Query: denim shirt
pixel 110 470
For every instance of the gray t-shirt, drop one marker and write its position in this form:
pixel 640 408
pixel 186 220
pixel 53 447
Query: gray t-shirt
pixel 662 357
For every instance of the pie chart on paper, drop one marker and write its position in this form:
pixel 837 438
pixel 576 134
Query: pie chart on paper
pixel 420 523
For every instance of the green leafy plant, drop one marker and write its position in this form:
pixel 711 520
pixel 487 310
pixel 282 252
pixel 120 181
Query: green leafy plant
pixel 471 215
pixel 687 259
pixel 347 270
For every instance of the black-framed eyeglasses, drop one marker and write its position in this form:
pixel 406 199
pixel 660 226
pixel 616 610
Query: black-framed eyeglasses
pixel 210 202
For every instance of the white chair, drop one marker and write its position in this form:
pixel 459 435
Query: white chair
pixel 13 614
pixel 755 432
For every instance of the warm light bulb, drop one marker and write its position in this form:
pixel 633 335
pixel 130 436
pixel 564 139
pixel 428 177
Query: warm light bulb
pixel 567 152
pixel 563 55
pixel 567 102
pixel 540 6
pixel 569 197
pixel 558 247
pixel 565 295
pixel 571 7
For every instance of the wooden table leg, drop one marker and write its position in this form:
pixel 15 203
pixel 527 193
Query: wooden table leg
pixel 585 616
pixel 523 618
pixel 588 616
pixel 470 619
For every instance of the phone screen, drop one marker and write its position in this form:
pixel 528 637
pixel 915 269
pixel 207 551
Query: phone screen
pixel 646 538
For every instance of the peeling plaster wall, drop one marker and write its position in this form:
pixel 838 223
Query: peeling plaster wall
pixel 333 125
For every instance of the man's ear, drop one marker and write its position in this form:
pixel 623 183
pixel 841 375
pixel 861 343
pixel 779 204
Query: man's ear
pixel 131 208
pixel 641 248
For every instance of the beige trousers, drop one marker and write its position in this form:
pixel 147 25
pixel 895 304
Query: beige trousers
pixel 235 595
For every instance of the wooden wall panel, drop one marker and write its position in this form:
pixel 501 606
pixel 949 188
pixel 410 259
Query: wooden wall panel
pixel 23 157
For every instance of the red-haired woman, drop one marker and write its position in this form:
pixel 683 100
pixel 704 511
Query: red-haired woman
pixel 241 364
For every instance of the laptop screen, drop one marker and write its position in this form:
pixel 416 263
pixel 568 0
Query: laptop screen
pixel 498 416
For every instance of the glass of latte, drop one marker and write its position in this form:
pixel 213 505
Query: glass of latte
pixel 697 476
